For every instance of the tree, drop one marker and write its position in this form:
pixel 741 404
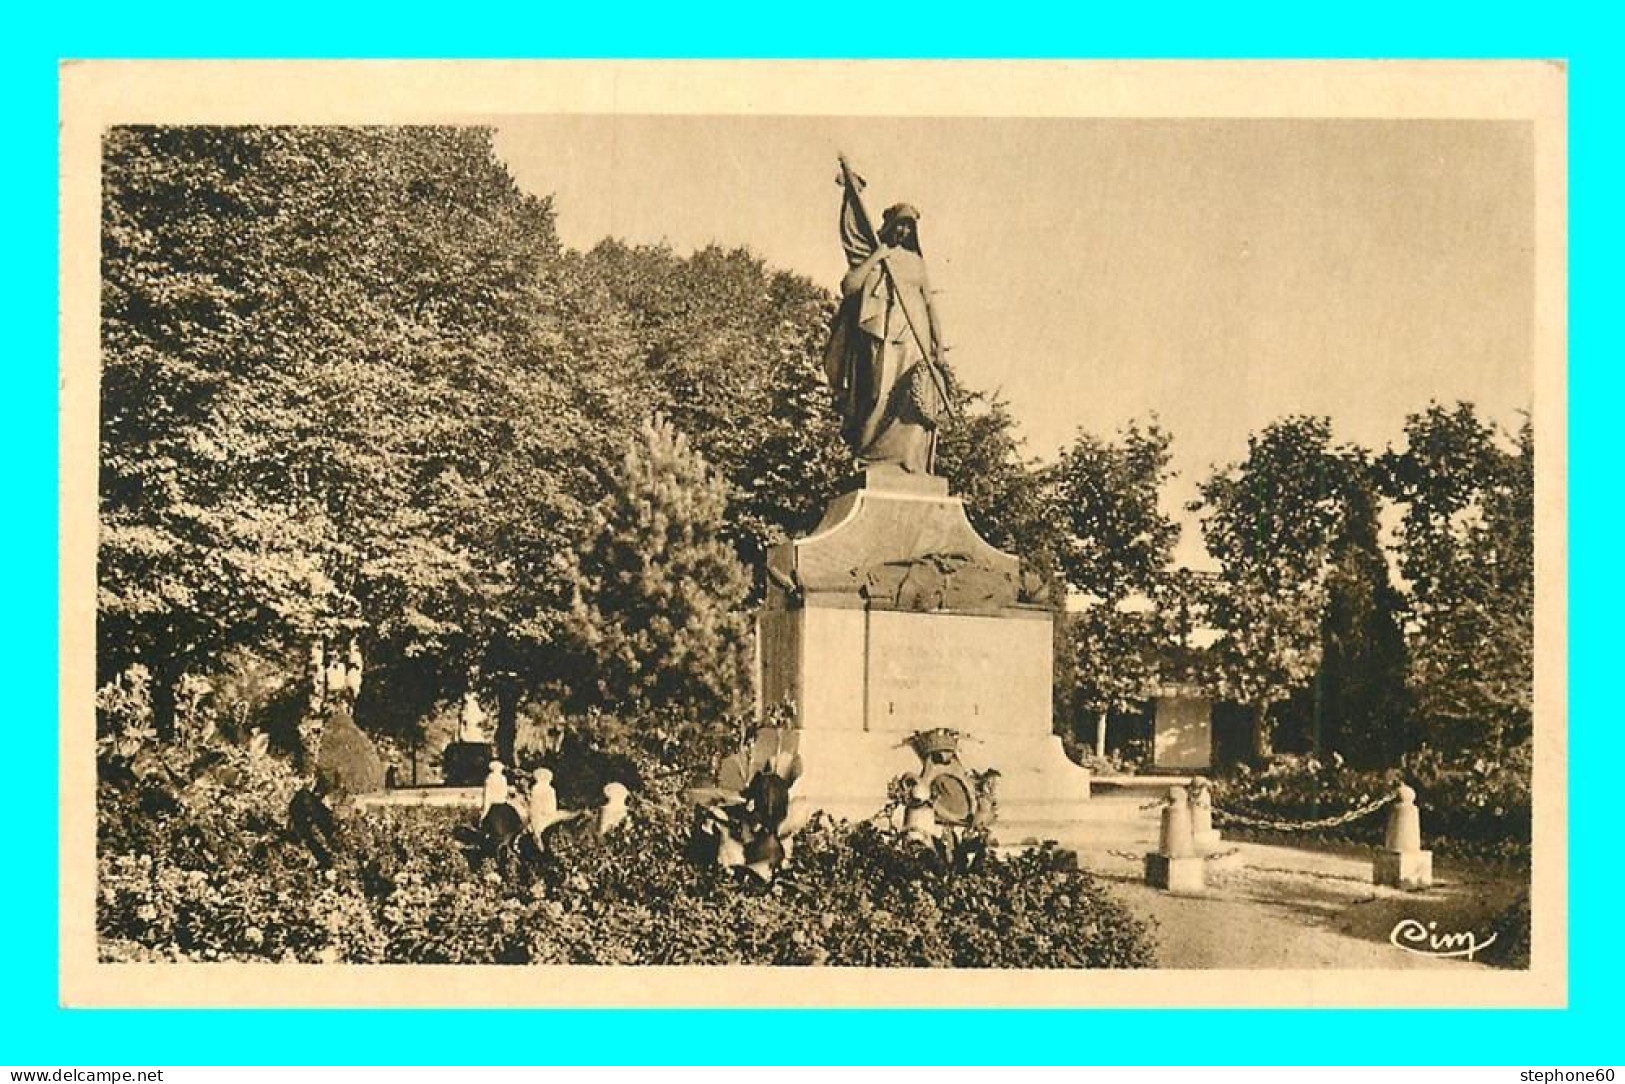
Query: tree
pixel 180 207
pixel 1115 547
pixel 329 354
pixel 1270 521
pixel 1007 495
pixel 730 352
pixel 1363 708
pixel 1114 655
pixel 1466 551
pixel 655 617
pixel 797 458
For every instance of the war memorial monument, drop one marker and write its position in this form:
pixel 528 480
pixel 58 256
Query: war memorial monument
pixel 894 631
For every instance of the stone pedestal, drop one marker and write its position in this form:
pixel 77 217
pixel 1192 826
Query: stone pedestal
pixel 1403 869
pixel 1184 876
pixel 894 617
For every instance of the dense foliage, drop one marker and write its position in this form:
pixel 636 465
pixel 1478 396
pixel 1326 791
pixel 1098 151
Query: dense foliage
pixel 203 865
pixel 334 399
pixel 1467 553
pixel 657 616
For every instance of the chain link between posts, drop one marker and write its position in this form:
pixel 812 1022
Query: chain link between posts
pixel 1254 820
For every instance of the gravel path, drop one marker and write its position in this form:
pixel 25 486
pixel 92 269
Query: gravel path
pixel 1271 906
pixel 1279 907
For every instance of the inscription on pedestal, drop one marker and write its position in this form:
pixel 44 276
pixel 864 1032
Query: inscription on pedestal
pixel 976 674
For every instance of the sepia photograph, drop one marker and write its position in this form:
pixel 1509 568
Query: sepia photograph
pixel 816 534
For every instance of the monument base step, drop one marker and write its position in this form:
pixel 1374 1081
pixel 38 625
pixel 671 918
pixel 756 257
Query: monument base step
pixel 1142 783
pixel 846 773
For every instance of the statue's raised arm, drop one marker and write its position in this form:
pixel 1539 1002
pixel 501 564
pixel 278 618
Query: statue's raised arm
pixel 883 352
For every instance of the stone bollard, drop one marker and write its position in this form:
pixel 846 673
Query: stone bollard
pixel 544 804
pixel 1203 833
pixel 1176 866
pixel 612 814
pixel 1402 863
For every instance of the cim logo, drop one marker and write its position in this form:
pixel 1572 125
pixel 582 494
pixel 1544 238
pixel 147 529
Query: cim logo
pixel 1421 939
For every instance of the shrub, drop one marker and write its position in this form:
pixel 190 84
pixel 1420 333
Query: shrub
pixel 348 762
pixel 1486 800
pixel 195 863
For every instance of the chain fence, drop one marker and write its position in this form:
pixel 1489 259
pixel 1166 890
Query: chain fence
pixel 1254 819
pixel 1136 856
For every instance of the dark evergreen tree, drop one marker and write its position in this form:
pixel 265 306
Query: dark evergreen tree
pixel 1362 702
pixel 656 620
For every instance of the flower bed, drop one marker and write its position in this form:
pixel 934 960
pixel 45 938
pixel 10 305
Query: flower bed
pixel 219 876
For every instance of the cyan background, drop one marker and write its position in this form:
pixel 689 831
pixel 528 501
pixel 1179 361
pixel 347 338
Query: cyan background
pixel 34 1031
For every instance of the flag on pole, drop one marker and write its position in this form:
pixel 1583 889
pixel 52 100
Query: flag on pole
pixel 857 234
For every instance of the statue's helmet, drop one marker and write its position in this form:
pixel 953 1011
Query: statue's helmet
pixel 898 212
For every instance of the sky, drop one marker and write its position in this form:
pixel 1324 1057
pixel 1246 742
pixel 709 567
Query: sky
pixel 1219 274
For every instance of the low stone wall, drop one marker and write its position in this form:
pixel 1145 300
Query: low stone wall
pixel 411 796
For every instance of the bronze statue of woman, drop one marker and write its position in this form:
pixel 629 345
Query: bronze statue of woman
pixel 883 353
